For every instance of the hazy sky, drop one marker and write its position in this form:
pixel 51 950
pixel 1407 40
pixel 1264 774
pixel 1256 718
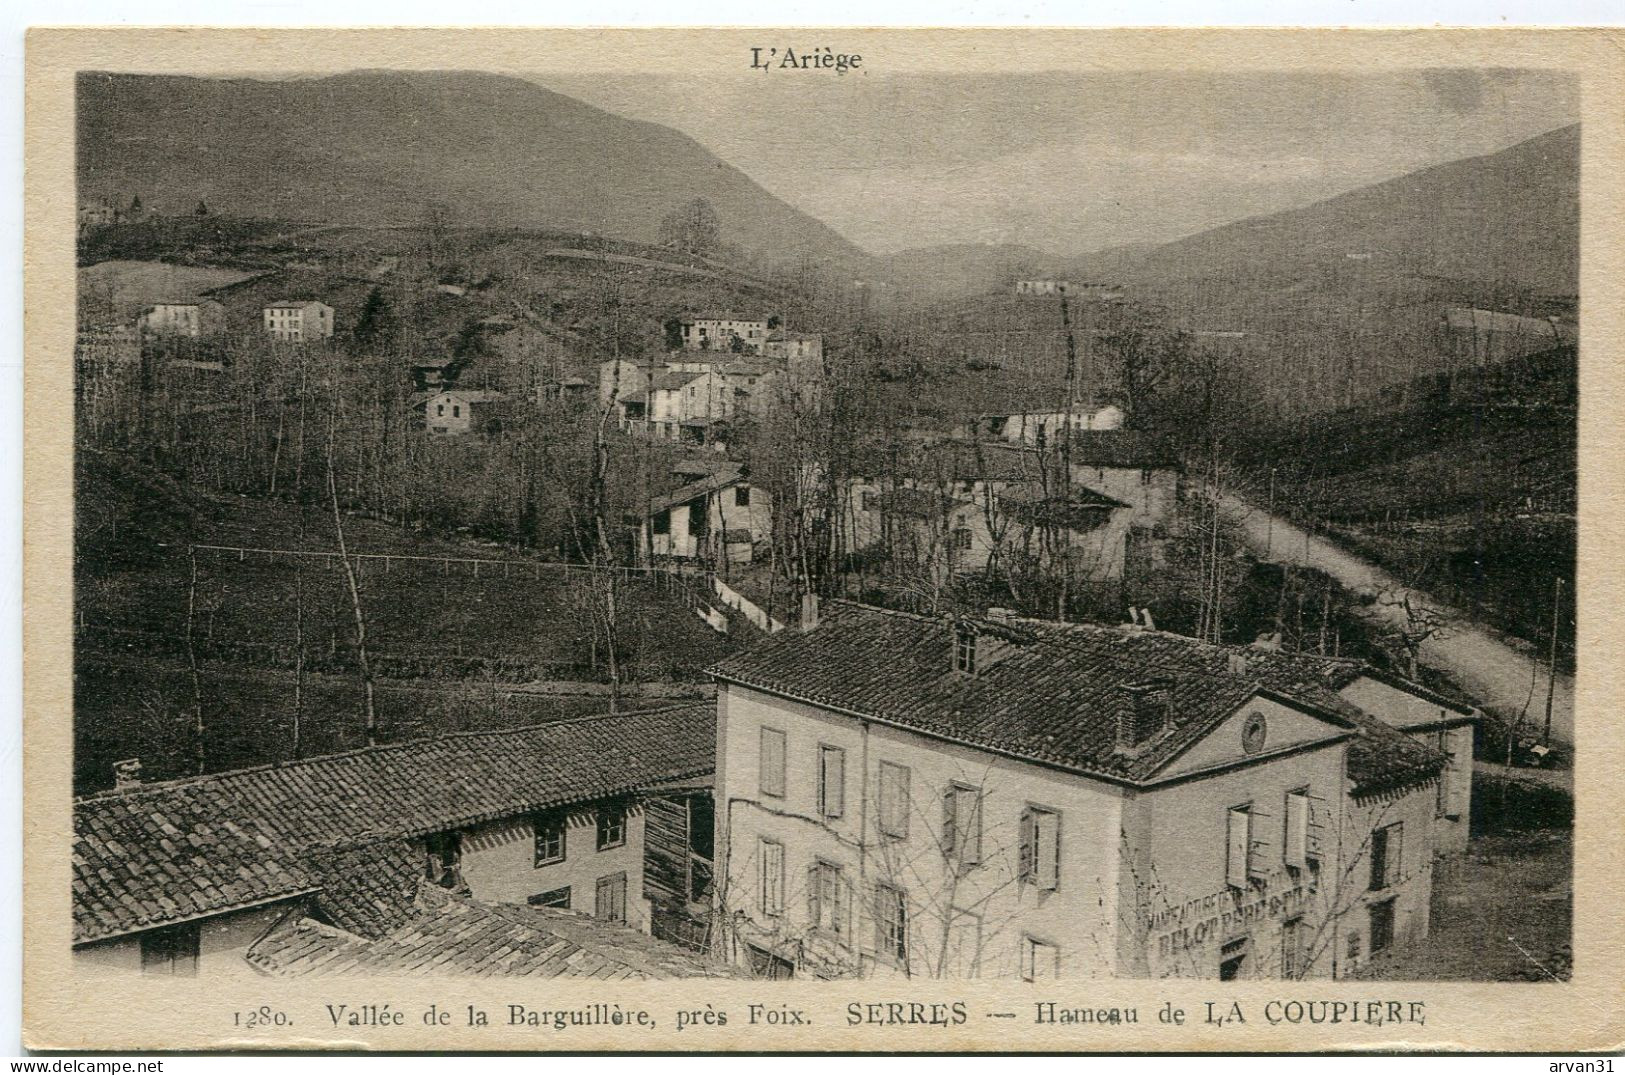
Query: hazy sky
pixel 1071 163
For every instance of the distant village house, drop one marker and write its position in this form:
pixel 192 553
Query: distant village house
pixel 304 321
pixel 192 320
pixel 455 412
pixel 724 332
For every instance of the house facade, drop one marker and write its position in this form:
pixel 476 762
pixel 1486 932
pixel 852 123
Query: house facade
pixel 724 332
pixel 962 503
pixel 716 515
pixel 183 319
pixel 454 412
pixel 592 816
pixel 1014 798
pixel 303 321
pixel 1040 428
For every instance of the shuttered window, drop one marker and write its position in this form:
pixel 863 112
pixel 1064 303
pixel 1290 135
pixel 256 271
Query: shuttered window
pixel 772 879
pixel 894 801
pixel 1292 934
pixel 1295 837
pixel 1239 838
pixel 1041 848
pixel 962 825
pixel 550 838
pixel 1386 845
pixel 891 923
pixel 831 781
pixel 772 763
pixel 827 900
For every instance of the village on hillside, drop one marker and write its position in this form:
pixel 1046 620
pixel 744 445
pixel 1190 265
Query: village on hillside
pixel 483 600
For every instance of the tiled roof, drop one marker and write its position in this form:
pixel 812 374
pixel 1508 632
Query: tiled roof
pixel 144 859
pixel 918 503
pixel 453 936
pixel 1000 461
pixel 673 380
pixel 1056 696
pixel 367 890
pixel 1082 509
pixel 693 490
pixel 167 852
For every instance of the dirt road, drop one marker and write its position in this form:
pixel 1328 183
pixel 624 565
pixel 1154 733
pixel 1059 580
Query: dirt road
pixel 1502 673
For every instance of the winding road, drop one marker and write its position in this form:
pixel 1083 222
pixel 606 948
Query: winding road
pixel 1501 673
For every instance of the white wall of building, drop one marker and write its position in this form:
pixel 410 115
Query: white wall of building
pixel 949 910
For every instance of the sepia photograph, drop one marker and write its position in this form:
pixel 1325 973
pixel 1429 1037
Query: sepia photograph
pixel 820 520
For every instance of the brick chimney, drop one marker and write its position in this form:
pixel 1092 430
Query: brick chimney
pixel 809 611
pixel 1147 714
pixel 126 774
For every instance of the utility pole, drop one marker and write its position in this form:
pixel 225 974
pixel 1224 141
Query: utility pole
pixel 1269 520
pixel 1551 658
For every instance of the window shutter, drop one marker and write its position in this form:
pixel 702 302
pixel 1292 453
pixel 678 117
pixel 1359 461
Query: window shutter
pixel 973 827
pixel 814 875
pixel 832 778
pixel 950 832
pixel 1295 853
pixel 1396 843
pixel 772 878
pixel 1029 842
pixel 772 762
pixel 893 799
pixel 1379 859
pixel 1047 849
pixel 1235 872
pixel 1318 829
pixel 840 904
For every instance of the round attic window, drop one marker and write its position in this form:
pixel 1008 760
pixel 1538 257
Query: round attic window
pixel 1253 733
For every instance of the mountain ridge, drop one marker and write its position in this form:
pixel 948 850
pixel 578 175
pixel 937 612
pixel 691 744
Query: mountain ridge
pixel 384 147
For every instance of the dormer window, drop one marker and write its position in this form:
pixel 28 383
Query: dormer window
pixel 965 649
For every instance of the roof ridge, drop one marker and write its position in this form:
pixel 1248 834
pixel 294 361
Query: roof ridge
pixel 201 779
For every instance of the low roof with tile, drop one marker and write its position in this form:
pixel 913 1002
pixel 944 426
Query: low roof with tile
pixel 183 849
pixel 1056 694
pixel 454 936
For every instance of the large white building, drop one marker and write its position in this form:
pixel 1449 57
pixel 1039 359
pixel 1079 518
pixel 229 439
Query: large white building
pixel 302 321
pixel 1012 798
pixel 724 332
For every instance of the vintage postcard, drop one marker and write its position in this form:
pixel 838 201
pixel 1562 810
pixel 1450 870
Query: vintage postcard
pixel 793 540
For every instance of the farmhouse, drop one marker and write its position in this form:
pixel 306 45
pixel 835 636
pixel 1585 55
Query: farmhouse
pixel 1004 797
pixel 454 412
pixel 416 852
pixel 1041 287
pixel 986 496
pixel 302 321
pixel 723 332
pixel 183 319
pixel 715 515
pixel 1039 428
